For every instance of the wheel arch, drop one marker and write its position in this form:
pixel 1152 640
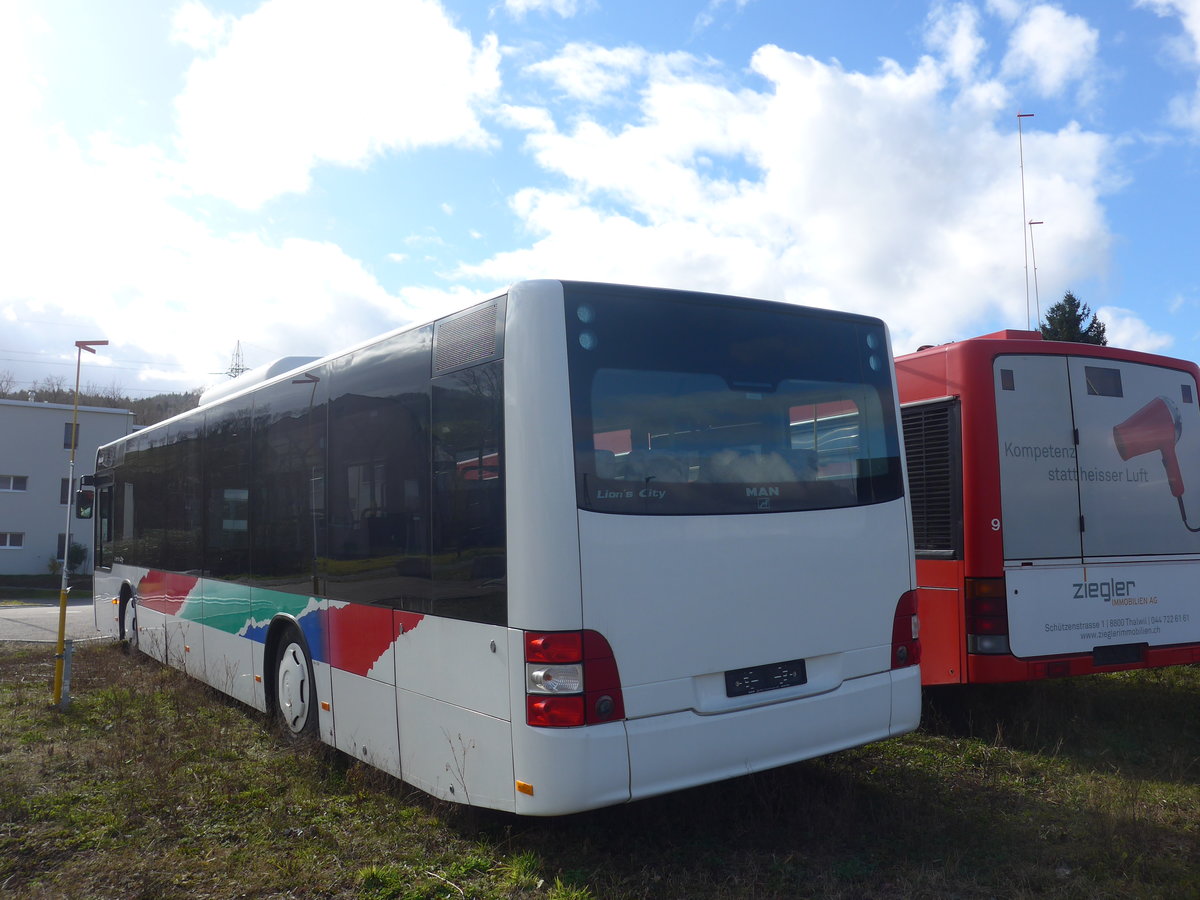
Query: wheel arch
pixel 280 626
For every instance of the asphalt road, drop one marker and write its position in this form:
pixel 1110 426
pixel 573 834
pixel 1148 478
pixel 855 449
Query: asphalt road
pixel 37 620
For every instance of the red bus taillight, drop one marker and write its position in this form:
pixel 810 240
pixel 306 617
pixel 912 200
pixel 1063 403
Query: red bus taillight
pixel 553 646
pixel 906 632
pixel 987 615
pixel 571 679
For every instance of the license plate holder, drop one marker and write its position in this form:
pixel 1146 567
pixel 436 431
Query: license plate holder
pixel 769 677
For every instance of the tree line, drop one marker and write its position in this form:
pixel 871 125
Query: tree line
pixel 56 389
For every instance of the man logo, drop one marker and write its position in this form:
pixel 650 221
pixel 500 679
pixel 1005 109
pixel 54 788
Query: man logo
pixel 762 492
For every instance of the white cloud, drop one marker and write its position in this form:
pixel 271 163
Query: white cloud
pixel 1053 50
pixel 297 84
pixel 587 72
pixel 1188 12
pixel 1008 10
pixel 19 74
pixel 96 240
pixel 954 32
pixel 525 118
pixel 1183 110
pixel 1124 328
pixel 579 241
pixel 163 285
pixel 708 15
pixel 564 8
pixel 428 240
pixel 890 193
pixel 195 25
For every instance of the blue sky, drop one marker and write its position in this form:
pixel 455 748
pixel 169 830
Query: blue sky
pixel 296 176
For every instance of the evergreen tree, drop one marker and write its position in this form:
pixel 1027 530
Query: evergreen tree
pixel 1065 322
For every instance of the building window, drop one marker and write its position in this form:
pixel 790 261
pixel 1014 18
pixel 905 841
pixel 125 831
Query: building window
pixel 67 445
pixel 11 540
pixel 14 482
pixel 62 547
pixel 64 492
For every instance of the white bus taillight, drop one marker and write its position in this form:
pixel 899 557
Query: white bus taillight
pixel 906 632
pixel 571 679
pixel 987 615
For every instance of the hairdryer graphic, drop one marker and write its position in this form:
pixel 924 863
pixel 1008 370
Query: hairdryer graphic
pixel 1156 426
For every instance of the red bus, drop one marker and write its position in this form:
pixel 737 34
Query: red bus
pixel 1054 534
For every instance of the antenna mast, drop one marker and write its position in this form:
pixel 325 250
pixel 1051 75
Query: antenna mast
pixel 1033 253
pixel 1024 217
pixel 237 366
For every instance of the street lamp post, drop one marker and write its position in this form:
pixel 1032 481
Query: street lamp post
pixel 90 347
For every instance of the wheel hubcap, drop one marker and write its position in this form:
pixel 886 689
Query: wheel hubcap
pixel 292 688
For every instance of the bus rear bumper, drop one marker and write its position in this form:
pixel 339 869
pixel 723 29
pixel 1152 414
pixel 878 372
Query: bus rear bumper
pixel 982 669
pixel 681 750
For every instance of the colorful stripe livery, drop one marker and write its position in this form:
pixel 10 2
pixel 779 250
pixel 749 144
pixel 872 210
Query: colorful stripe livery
pixel 350 637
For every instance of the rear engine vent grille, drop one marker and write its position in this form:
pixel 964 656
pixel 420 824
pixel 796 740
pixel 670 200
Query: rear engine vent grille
pixel 467 338
pixel 929 434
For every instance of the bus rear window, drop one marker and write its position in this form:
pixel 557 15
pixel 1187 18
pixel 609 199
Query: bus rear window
pixel 741 411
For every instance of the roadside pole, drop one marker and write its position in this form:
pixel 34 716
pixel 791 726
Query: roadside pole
pixel 59 652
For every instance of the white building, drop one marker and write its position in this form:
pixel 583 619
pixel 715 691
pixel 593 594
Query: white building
pixel 35 455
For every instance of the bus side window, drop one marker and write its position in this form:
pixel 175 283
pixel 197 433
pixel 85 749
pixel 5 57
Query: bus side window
pixel 469 540
pixel 227 482
pixel 286 498
pixel 378 477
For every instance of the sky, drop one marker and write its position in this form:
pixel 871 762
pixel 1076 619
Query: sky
pixel 291 177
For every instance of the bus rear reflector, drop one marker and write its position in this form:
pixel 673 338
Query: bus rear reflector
pixel 571 679
pixel 906 632
pixel 548 711
pixel 987 615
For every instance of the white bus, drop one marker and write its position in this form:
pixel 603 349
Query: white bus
pixel 574 546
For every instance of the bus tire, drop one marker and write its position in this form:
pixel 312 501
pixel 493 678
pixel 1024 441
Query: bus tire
pixel 295 686
pixel 132 633
pixel 127 613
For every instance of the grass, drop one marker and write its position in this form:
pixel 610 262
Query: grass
pixel 153 786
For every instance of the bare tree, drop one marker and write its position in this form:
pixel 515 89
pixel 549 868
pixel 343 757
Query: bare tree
pixel 113 395
pixel 53 387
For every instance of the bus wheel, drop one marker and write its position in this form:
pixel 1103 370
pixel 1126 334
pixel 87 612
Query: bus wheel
pixel 295 686
pixel 132 632
pixel 127 616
